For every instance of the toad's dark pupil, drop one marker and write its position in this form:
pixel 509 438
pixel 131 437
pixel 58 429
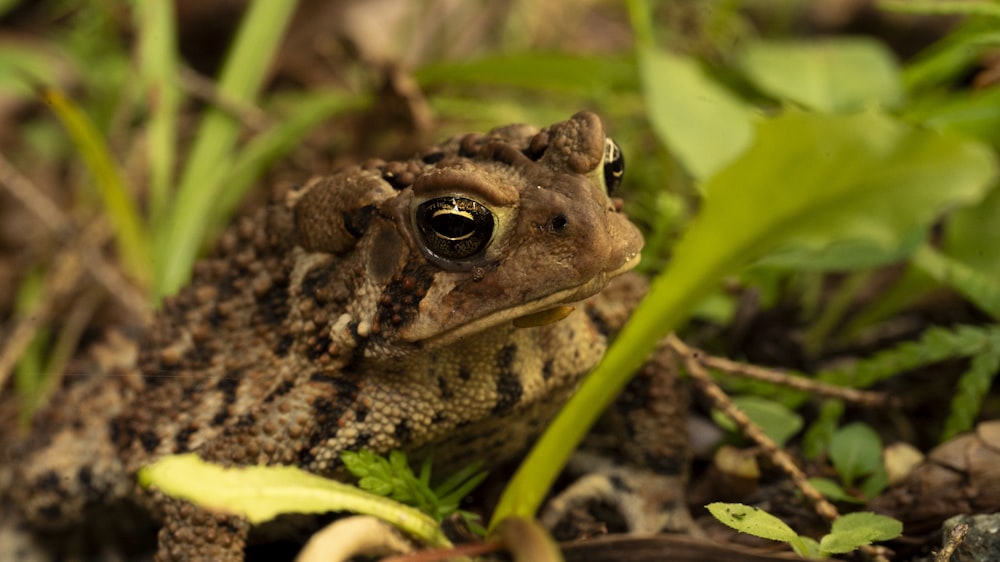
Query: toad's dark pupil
pixel 453 224
pixel 455 228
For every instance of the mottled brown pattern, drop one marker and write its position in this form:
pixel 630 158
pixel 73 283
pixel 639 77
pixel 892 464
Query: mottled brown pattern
pixel 322 324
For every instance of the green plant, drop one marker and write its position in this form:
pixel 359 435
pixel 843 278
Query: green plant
pixel 392 477
pixel 823 186
pixel 261 493
pixel 778 422
pixel 848 532
pixel 981 344
pixel 856 453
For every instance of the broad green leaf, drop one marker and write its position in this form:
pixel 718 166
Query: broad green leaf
pixel 777 421
pixel 833 491
pixel 829 75
pixel 703 124
pixel 752 521
pixel 856 451
pixel 261 493
pixel 813 180
pixel 858 529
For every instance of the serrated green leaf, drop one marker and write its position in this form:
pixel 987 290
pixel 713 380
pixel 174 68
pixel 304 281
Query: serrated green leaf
pixel 971 390
pixel 752 521
pixel 855 451
pixel 841 74
pixel 858 529
pixel 261 493
pixel 375 485
pixel 701 123
pixel 356 463
pixel 935 344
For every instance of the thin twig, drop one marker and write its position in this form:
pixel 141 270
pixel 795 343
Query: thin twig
pixel 863 397
pixel 693 361
pixel 955 539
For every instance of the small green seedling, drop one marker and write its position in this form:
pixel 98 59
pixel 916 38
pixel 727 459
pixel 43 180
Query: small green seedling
pixel 393 478
pixel 774 419
pixel 856 452
pixel 847 534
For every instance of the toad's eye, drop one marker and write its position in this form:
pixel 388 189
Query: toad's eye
pixel 614 166
pixel 454 227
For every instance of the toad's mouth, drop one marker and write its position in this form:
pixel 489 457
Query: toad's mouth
pixel 540 312
pixel 543 317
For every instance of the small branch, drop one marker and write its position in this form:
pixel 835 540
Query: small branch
pixel 692 360
pixel 955 539
pixel 699 374
pixel 863 397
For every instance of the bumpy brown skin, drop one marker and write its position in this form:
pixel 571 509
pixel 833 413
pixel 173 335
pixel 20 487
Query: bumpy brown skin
pixel 323 325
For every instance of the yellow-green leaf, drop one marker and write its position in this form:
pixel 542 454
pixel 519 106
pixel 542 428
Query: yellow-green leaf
pixel 261 493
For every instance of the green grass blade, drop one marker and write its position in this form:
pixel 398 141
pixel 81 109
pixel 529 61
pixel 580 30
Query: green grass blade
pixel 121 207
pixel 212 154
pixel 268 147
pixel 158 66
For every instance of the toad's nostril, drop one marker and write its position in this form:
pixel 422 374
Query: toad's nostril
pixel 558 224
